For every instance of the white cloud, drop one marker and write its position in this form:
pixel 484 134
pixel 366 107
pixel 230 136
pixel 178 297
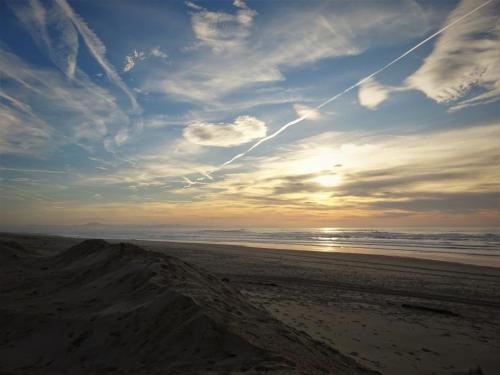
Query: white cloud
pixel 24 107
pixel 55 29
pixel 22 132
pixel 131 60
pixel 61 44
pixel 222 31
pixel 157 52
pixel 371 93
pixel 89 111
pixel 151 170
pixel 121 136
pixel 465 56
pixel 291 38
pixel 242 130
pixel 193 5
pixel 97 49
pixel 307 112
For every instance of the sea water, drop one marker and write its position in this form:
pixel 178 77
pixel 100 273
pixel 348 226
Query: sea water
pixel 466 245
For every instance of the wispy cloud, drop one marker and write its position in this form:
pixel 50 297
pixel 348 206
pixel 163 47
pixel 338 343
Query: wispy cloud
pixel 21 132
pixel 97 49
pixel 25 170
pixel 55 29
pixel 90 112
pixel 464 57
pixel 369 171
pixel 222 31
pixel 415 177
pixel 52 31
pixel 189 183
pixel 355 85
pixel 292 38
pixel 193 6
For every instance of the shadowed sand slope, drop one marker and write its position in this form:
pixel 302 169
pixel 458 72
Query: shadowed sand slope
pixel 12 250
pixel 101 308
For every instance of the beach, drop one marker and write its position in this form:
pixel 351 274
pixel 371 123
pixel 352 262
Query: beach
pixel 395 315
pixel 354 302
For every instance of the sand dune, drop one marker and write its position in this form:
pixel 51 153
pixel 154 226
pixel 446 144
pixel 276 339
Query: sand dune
pixel 102 308
pixel 12 250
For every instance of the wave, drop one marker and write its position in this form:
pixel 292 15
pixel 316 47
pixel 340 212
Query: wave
pixel 474 241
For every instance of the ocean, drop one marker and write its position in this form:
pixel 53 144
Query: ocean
pixel 480 246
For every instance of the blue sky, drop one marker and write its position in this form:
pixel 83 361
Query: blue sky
pixel 133 112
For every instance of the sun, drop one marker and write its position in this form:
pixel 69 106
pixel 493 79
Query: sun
pixel 318 160
pixel 328 179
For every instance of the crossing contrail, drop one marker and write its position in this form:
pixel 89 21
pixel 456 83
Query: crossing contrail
pixel 350 88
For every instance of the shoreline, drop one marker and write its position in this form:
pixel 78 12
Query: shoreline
pixel 464 245
pixel 481 260
pixel 478 260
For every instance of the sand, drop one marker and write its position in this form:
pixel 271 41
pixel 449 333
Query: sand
pixel 100 308
pixel 393 315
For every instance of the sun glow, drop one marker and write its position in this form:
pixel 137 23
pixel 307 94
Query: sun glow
pixel 318 160
pixel 329 180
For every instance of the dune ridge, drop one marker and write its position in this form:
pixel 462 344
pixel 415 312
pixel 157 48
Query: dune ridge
pixel 117 308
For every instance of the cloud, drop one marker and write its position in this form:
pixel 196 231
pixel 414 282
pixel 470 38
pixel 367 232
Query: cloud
pixel 189 183
pixel 157 169
pixel 97 49
pixel 222 31
pixel 464 57
pixel 158 53
pixel 24 170
pixel 52 31
pixel 306 112
pixel 442 202
pixel 381 175
pixel 87 112
pixel 121 137
pixel 391 181
pixel 91 111
pixel 371 93
pixel 353 86
pixel 373 171
pixel 192 5
pixel 55 30
pixel 244 129
pixel 22 132
pixel 292 38
pixel 132 58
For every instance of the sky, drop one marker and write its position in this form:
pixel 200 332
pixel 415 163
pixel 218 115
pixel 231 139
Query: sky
pixel 250 113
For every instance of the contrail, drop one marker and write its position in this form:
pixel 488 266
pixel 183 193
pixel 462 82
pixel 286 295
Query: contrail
pixel 350 88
